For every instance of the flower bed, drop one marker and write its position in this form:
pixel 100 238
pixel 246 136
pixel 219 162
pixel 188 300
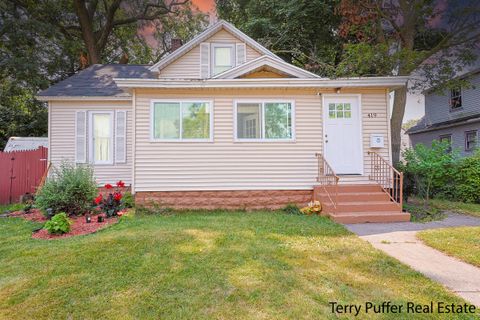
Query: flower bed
pixel 79 225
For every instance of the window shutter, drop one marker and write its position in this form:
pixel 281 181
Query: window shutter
pixel 121 136
pixel 81 137
pixel 241 53
pixel 204 60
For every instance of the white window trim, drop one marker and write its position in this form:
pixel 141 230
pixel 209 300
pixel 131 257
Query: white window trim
pixel 90 138
pixel 233 59
pixel 85 159
pixel 152 119
pixel 262 129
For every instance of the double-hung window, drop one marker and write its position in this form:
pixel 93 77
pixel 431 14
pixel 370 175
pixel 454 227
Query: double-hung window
pixel 264 121
pixel 223 57
pixel 181 120
pixel 101 137
pixel 470 140
pixel 455 98
pixel 447 139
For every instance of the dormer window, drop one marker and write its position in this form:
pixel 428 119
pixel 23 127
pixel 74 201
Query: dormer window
pixel 223 57
pixel 455 98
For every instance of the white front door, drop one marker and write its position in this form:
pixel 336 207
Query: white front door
pixel 342 134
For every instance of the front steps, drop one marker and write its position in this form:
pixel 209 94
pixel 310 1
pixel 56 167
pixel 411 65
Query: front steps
pixel 360 203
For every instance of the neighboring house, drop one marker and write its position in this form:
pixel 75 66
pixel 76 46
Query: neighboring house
pixel 25 143
pixel 453 116
pixel 220 122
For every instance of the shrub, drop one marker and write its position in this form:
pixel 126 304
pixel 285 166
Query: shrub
pixel 430 169
pixel 59 224
pixel 70 189
pixel 128 200
pixel 291 209
pixel 467 179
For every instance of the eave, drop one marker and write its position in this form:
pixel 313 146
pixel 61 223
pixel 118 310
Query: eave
pixel 382 82
pixel 84 98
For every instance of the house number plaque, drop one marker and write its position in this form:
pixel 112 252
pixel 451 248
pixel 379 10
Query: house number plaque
pixel 372 115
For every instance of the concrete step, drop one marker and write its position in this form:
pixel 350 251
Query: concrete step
pixel 355 188
pixel 364 217
pixel 362 206
pixel 355 196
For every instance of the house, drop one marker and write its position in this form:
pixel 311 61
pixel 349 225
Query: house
pixel 452 116
pixel 222 122
pixel 25 143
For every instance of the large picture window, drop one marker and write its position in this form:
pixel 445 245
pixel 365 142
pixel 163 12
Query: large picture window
pixel 181 120
pixel 264 121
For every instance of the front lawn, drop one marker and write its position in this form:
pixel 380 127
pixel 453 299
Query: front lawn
pixel 462 243
pixel 221 265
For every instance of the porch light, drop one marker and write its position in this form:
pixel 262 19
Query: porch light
pixel 337 90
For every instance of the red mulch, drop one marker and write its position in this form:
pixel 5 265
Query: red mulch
pixel 79 225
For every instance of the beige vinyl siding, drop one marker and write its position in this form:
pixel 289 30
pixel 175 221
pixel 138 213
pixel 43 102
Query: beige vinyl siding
pixel 62 137
pixel 377 123
pixel 188 65
pixel 228 165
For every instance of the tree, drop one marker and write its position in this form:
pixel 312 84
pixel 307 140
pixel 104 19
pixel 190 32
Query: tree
pixel 302 32
pixel 400 37
pixel 97 23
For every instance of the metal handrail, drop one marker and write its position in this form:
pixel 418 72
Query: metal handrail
pixel 389 178
pixel 328 180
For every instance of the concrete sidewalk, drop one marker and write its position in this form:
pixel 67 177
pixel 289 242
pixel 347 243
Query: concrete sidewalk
pixel 399 241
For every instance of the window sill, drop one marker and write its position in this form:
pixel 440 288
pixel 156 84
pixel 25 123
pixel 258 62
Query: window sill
pixel 456 109
pixel 181 141
pixel 264 140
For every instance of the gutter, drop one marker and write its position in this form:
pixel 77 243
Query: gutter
pixel 88 98
pixel 390 82
pixel 457 124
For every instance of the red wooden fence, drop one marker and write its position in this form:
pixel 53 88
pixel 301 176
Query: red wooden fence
pixel 21 172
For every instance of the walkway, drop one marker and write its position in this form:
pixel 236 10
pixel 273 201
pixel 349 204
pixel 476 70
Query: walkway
pixel 399 241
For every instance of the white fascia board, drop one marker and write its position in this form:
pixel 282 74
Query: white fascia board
pixel 84 98
pixel 207 33
pixel 265 61
pixel 390 82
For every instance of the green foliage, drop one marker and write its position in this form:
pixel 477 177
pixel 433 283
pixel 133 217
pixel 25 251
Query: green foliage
pixel 303 32
pixel 420 213
pixel 128 200
pixel 466 179
pixel 291 209
pixel 71 189
pixel 59 224
pixel 431 169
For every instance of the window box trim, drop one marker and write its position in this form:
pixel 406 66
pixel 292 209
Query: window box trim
pixel 180 101
pixel 90 138
pixel 262 102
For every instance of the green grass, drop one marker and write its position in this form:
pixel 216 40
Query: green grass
pixel 223 265
pixel 461 207
pixel 462 243
pixel 11 207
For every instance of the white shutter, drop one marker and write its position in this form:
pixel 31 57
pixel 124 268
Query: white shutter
pixel 204 60
pixel 121 136
pixel 240 53
pixel 81 137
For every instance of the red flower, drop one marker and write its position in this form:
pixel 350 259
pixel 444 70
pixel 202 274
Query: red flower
pixel 117 196
pixel 120 184
pixel 108 186
pixel 120 213
pixel 99 199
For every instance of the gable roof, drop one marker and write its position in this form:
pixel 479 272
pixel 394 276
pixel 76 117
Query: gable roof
pixel 97 81
pixel 207 33
pixel 262 62
pixel 25 143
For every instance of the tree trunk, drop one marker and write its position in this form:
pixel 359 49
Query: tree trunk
pixel 398 111
pixel 88 35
